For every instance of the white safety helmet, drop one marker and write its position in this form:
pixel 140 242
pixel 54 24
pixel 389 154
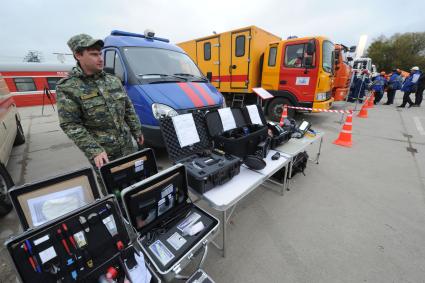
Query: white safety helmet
pixel 416 68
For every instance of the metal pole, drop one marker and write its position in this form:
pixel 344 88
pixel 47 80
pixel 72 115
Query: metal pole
pixel 346 98
pixel 358 93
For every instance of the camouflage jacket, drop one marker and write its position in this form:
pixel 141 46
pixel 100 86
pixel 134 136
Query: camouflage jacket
pixel 96 113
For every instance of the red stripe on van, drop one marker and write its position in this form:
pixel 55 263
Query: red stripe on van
pixel 191 94
pixel 204 94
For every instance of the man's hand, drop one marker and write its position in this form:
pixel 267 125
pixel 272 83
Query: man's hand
pixel 141 140
pixel 101 159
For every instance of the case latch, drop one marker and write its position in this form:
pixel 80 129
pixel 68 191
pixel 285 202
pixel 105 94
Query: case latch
pixel 177 269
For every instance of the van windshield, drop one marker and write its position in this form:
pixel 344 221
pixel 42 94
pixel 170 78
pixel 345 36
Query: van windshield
pixel 156 65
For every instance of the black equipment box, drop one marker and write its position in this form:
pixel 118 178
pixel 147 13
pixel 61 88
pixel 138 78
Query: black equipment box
pixel 128 170
pixel 160 209
pixel 279 135
pixel 85 245
pixel 242 140
pixel 206 168
pixel 42 201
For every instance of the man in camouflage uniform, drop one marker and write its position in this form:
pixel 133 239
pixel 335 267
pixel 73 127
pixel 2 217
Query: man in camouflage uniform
pixel 93 107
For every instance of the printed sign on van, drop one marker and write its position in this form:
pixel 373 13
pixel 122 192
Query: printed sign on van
pixel 302 81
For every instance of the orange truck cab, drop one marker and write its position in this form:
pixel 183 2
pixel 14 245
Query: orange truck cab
pixel 297 71
pixel 343 72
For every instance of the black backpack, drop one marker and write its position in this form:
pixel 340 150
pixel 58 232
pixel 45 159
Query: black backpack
pixel 299 163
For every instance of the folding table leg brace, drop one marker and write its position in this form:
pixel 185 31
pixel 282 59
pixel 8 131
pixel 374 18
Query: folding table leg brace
pixel 282 186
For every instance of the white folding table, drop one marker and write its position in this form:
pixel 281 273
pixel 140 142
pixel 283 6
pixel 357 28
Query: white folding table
pixel 225 197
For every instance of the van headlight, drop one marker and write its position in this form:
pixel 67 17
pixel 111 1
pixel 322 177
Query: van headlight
pixel 321 96
pixel 161 110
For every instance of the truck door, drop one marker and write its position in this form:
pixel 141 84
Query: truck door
pixel 239 63
pixel 294 76
pixel 207 57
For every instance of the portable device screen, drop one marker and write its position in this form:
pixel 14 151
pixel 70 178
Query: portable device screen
pixel 304 125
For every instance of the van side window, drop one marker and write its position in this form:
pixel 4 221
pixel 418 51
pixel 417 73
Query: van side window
pixel 112 61
pixel 207 51
pixel 119 69
pixel 109 58
pixel 24 84
pixel 294 55
pixel 240 46
pixel 52 82
pixel 272 56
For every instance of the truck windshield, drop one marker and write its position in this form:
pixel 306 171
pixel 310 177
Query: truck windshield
pixel 154 64
pixel 328 53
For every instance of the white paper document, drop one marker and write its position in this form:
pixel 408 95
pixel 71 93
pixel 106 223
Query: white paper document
pixel 185 129
pixel 176 241
pixel 264 94
pixel 227 119
pixel 254 115
pixel 139 273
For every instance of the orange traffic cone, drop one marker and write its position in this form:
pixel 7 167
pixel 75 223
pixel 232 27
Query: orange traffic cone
pixel 344 138
pixel 284 115
pixel 363 111
pixel 371 100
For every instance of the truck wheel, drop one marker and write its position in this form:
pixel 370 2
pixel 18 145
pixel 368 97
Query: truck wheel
pixel 20 136
pixel 5 183
pixel 274 110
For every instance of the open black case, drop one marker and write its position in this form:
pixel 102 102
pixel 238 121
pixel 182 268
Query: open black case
pixel 245 138
pixel 206 168
pixel 41 201
pixel 81 246
pixel 128 170
pixel 160 209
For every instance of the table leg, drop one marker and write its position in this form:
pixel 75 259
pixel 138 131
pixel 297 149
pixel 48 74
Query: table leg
pixel 285 180
pixel 223 224
pixel 224 219
pixel 320 149
pixel 289 173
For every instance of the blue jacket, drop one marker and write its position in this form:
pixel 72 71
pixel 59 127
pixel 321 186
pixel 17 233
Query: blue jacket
pixel 395 81
pixel 378 84
pixel 358 87
pixel 411 82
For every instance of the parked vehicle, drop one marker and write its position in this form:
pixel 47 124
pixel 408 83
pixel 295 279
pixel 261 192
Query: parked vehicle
pixel 297 71
pixel 160 79
pixel 27 81
pixel 11 134
pixel 343 72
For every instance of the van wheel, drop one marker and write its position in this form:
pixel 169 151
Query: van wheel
pixel 5 184
pixel 20 136
pixel 274 110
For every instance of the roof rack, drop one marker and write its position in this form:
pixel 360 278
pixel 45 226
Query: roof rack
pixel 131 34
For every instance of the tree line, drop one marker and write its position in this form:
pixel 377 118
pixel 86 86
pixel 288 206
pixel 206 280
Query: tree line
pixel 401 51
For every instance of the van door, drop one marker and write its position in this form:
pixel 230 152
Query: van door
pixel 207 57
pixel 239 64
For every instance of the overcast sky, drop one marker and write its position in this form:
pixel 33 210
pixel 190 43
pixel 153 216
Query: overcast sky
pixel 46 25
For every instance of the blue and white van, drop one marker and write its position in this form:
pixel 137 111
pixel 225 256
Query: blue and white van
pixel 160 79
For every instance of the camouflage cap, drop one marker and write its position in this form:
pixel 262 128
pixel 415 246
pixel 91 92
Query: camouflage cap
pixel 83 41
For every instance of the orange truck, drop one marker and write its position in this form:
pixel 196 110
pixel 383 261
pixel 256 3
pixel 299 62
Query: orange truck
pixel 343 72
pixel 297 71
